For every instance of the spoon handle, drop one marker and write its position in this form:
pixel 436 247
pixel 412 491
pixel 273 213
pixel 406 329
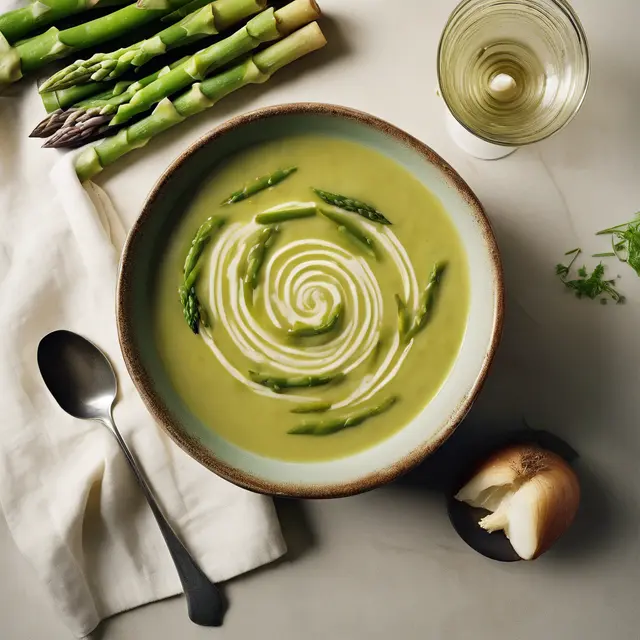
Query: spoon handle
pixel 205 603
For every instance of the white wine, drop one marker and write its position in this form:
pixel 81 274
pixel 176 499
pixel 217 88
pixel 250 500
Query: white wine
pixel 513 72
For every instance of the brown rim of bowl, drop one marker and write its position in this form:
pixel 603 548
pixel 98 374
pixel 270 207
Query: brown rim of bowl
pixel 191 445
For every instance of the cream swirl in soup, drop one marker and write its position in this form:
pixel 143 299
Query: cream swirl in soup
pixel 323 332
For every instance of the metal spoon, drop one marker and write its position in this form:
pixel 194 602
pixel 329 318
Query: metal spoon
pixel 83 382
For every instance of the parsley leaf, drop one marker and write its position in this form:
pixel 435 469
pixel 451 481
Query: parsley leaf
pixel 587 285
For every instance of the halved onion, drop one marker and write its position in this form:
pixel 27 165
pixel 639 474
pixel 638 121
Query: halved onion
pixel 532 493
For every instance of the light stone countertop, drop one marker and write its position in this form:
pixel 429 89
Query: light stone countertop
pixel 387 564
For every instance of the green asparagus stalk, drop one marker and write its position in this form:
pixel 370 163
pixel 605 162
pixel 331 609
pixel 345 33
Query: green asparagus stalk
pixel 284 213
pixel 192 309
pixel 351 230
pixel 302 330
pixel 34 53
pixel 312 407
pixel 259 184
pixel 17 24
pixel 201 96
pixel 63 99
pixel 207 21
pixel 280 384
pixel 351 204
pixel 426 301
pixel 333 425
pixel 404 319
pixel 190 7
pixel 104 103
pixel 265 240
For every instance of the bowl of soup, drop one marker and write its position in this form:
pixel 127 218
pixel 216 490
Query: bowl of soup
pixel 310 301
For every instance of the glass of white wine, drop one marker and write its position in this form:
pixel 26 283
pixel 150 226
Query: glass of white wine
pixel 512 72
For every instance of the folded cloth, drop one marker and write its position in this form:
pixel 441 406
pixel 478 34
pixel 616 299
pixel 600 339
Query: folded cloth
pixel 69 499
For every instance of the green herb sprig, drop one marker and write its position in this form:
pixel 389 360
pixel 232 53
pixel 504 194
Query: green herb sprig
pixel 588 285
pixel 625 241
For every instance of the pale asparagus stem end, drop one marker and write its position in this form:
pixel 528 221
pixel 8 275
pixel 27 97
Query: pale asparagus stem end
pixel 10 68
pixel 296 14
pixel 282 53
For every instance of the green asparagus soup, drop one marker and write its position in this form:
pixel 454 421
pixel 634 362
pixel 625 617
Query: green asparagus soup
pixel 323 297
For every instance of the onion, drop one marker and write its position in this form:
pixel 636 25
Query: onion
pixel 532 493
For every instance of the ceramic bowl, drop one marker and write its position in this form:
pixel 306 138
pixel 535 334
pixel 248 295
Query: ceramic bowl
pixel 400 452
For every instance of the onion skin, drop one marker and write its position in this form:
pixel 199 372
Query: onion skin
pixel 533 495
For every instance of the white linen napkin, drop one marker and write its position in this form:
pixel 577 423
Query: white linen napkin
pixel 69 499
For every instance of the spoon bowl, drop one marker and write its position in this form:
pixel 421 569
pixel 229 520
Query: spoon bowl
pixel 78 375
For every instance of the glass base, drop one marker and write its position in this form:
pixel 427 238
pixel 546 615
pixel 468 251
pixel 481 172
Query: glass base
pixel 473 145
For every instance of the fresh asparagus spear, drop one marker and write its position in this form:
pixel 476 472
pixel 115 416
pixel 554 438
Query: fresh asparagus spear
pixel 280 384
pixel 351 230
pixel 34 53
pixel 355 240
pixel 192 309
pixel 209 20
pixel 301 330
pixel 314 407
pixel 404 319
pixel 426 301
pixel 333 425
pixel 257 253
pixel 60 100
pixel 351 204
pixel 178 14
pixel 67 121
pixel 259 184
pixel 267 23
pixel 19 23
pixel 282 214
pixel 201 96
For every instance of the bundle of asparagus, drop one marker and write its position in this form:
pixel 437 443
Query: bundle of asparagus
pixel 209 20
pixel 100 98
pixel 202 95
pixel 95 116
pixel 32 54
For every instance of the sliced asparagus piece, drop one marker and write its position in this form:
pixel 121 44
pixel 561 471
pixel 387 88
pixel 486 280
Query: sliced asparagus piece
pixel 351 230
pixel 207 21
pixel 333 425
pixel 192 309
pixel 106 103
pixel 282 214
pixel 351 204
pixel 19 23
pixel 259 184
pixel 301 330
pixel 312 407
pixel 201 96
pixel 426 301
pixel 280 384
pixel 257 253
pixel 404 318
pixel 34 53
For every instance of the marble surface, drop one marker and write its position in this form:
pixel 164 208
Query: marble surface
pixel 387 564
